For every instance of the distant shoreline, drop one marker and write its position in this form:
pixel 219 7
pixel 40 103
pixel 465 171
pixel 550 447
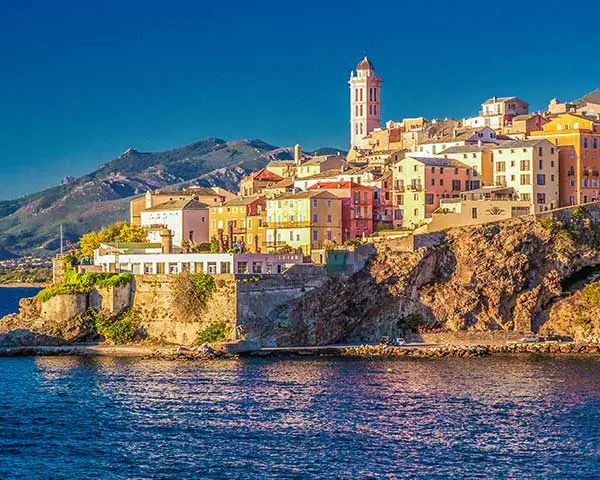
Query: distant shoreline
pixel 23 285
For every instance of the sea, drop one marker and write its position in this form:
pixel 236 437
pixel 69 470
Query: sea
pixel 500 417
pixel 10 296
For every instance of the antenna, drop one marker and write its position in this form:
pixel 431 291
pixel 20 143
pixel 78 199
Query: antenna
pixel 61 240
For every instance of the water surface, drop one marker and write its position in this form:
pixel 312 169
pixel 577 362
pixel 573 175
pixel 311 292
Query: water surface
pixel 10 296
pixel 497 417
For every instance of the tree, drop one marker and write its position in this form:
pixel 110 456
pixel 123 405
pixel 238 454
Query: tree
pixel 117 232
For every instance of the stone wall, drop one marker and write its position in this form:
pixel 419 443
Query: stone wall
pixel 112 300
pixel 152 298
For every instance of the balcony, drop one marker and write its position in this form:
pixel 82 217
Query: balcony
pixel 414 188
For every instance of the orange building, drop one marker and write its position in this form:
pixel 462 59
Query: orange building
pixel 254 183
pixel 578 139
pixel 247 218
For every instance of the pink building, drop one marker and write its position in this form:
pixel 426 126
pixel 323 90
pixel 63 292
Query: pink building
pixel 421 182
pixel 357 207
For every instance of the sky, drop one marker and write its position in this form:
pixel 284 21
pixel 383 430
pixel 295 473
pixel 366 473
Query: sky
pixel 80 83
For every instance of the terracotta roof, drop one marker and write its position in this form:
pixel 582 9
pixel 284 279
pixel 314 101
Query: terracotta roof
pixel 178 204
pixel 286 182
pixel 264 174
pixel 365 64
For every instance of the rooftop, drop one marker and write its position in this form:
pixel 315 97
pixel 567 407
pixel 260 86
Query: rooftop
pixel 521 144
pixel 305 194
pixel 466 149
pixel 263 174
pixel 439 162
pixel 337 185
pixel 241 201
pixel 178 204
pixel 365 64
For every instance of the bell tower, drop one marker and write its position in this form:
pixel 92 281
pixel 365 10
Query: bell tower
pixel 365 101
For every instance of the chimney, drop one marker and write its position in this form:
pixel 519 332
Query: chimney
pixel 479 143
pixel 166 241
pixel 297 153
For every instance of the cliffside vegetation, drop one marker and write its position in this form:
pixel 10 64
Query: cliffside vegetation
pixel 215 332
pixel 83 283
pixel 190 292
pixel 120 330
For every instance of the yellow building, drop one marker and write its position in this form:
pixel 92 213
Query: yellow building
pixel 530 167
pixel 479 158
pixel 244 219
pixel 320 164
pixel 307 220
pixel 578 140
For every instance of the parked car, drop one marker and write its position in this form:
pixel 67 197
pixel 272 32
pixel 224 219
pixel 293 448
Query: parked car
pixel 385 341
pixel 398 341
pixel 532 339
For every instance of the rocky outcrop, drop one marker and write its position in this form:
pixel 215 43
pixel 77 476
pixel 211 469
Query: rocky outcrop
pixel 494 277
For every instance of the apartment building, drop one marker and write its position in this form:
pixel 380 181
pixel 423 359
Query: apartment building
pixel 531 168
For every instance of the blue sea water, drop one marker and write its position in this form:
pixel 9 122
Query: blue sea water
pixel 9 298
pixel 500 417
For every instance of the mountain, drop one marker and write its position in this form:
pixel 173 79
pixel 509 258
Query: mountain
pixel 328 151
pixel 592 97
pixel 30 225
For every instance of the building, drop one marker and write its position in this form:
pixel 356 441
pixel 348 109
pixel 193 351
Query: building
pixel 365 101
pixel 522 125
pixel 484 205
pixel 185 218
pixel 241 221
pixel 254 183
pixel 419 183
pixel 304 220
pixel 531 168
pixel 287 168
pixel 357 207
pixel 498 112
pixel 578 140
pixel 457 138
pixel 479 158
pixel 154 262
pixel 319 164
pixel 153 198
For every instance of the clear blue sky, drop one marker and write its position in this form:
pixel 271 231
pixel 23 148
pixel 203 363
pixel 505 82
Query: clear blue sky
pixel 79 84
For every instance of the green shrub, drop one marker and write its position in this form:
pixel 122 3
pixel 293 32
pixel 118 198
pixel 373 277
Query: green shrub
pixel 83 283
pixel 548 223
pixel 580 212
pixel 120 330
pixel 62 289
pixel 202 247
pixel 591 293
pixel 215 332
pixel 190 292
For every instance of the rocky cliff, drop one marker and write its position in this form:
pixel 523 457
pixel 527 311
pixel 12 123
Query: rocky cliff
pixel 495 277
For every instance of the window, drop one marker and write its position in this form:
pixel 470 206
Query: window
pixel 541 180
pixel 526 197
pixel 525 164
pixel 328 234
pixel 501 180
pixel 456 185
pixel 441 169
pixel 315 235
pixel 256 267
pixel 501 166
pixel 242 267
pixel 315 203
pixel 525 179
pixel 551 178
pixel 474 212
pixel 315 218
pixel 328 203
pixel 212 268
pixel 433 181
pixel 429 198
pixel 328 218
pixel 541 198
pixel 585 143
pixel 225 267
pixel 416 212
pixel 541 151
pixel 595 143
pixel 441 182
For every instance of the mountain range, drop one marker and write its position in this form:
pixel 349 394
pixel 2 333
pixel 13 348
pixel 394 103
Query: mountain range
pixel 30 225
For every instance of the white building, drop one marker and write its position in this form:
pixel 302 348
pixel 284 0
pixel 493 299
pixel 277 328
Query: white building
pixel 459 138
pixel 365 101
pixel 530 167
pixel 186 219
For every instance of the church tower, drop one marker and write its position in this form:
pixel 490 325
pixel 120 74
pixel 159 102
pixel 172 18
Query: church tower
pixel 365 101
